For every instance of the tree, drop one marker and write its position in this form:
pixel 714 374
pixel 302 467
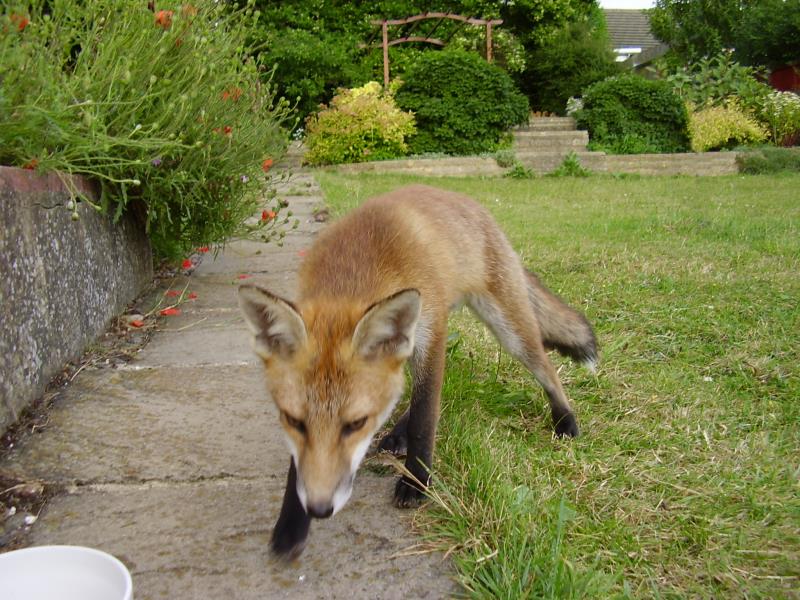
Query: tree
pixel 769 33
pixel 694 29
pixel 761 32
pixel 575 57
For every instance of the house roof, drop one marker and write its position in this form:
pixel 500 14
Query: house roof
pixel 629 28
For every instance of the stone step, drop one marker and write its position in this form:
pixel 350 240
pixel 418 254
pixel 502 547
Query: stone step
pixel 549 124
pixel 550 140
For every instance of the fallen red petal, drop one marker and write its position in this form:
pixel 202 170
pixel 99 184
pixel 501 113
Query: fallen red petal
pixel 173 293
pixel 203 249
pixel 192 296
pixel 136 323
pixel 170 312
pixel 243 276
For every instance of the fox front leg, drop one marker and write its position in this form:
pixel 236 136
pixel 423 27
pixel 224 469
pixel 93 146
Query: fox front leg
pixel 291 530
pixel 427 370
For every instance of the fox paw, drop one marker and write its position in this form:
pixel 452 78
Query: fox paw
pixel 567 426
pixel 393 443
pixel 289 538
pixel 396 441
pixel 407 494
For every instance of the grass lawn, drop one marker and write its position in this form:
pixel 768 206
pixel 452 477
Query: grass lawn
pixel 685 480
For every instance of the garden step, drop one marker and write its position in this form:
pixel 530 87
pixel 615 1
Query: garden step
pixel 549 124
pixel 545 140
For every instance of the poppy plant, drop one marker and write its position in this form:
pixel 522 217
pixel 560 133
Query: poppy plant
pixel 164 19
pixel 232 94
pixel 21 21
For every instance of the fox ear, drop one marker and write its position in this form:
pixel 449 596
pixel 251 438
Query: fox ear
pixel 388 326
pixel 277 327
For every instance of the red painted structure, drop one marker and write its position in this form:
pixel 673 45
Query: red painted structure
pixel 786 79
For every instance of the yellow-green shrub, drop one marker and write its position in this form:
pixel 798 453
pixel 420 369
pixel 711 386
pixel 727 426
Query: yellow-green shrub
pixel 718 127
pixel 361 124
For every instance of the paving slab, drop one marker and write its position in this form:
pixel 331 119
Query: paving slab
pixel 175 461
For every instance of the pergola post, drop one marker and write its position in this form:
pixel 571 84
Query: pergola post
pixel 488 41
pixel 385 55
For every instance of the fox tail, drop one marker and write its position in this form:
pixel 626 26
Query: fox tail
pixel 563 328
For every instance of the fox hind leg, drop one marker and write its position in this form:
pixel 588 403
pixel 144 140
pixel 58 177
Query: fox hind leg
pixel 509 314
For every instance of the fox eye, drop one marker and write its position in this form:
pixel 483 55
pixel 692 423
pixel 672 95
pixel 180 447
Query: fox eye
pixel 295 423
pixel 354 426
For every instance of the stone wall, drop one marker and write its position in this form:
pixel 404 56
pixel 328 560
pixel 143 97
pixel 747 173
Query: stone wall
pixel 702 163
pixel 61 281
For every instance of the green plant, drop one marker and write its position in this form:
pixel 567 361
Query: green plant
pixel 714 80
pixel 628 114
pixel 767 161
pixel 361 124
pixel 167 111
pixel 780 111
pixel 462 104
pixel 519 171
pixel 768 33
pixel 723 127
pixel 571 167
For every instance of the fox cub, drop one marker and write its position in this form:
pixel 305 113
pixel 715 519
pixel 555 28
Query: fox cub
pixel 375 291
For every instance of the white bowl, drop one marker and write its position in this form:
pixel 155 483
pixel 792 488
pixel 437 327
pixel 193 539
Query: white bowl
pixel 63 573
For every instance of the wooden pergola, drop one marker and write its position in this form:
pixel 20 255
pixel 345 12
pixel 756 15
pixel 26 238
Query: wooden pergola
pixel 410 24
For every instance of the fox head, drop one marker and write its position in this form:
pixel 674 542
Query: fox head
pixel 335 372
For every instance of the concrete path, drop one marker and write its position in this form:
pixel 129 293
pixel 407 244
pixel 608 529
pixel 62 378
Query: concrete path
pixel 175 464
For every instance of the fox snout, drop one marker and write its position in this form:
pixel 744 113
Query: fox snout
pixel 322 504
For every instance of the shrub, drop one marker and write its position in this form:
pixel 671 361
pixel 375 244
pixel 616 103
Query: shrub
pixel 780 111
pixel 769 160
pixel 361 124
pixel 166 111
pixel 628 114
pixel 721 127
pixel 462 104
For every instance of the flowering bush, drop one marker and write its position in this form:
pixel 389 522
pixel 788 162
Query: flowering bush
pixel 361 124
pixel 780 111
pixel 719 127
pixel 165 109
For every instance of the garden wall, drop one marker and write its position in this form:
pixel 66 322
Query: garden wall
pixel 61 281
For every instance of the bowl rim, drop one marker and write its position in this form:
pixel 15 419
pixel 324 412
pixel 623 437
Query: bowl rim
pixel 43 549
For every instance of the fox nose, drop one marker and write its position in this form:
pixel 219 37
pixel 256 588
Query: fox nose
pixel 320 510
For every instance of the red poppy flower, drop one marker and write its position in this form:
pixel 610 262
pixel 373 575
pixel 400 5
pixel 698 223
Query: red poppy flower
pixel 203 249
pixel 21 21
pixel 192 296
pixel 186 264
pixel 31 164
pixel 266 165
pixel 227 130
pixel 136 323
pixel 267 215
pixel 170 312
pixel 232 94
pixel 164 19
pixel 244 276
